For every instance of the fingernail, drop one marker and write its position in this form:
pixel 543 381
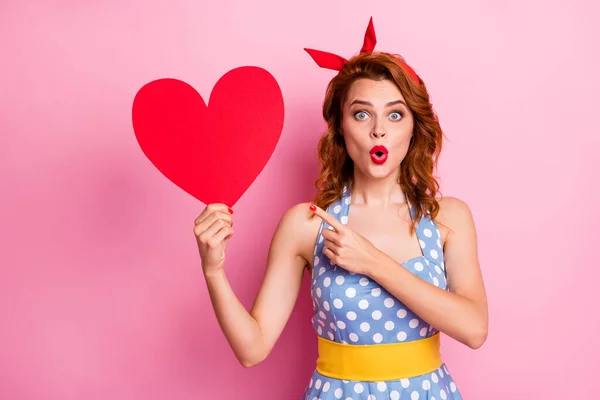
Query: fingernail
pixel 313 207
pixel 230 210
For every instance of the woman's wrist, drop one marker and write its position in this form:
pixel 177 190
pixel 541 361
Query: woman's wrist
pixel 214 275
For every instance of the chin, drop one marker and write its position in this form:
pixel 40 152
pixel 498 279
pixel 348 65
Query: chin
pixel 379 171
pixel 381 174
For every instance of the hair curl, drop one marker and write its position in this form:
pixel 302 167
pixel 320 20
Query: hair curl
pixel 416 170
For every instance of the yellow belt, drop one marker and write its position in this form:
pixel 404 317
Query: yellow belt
pixel 379 362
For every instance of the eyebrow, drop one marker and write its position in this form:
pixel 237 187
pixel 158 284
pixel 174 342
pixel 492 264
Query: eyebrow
pixel 366 103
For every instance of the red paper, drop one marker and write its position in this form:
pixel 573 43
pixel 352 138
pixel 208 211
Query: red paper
pixel 212 152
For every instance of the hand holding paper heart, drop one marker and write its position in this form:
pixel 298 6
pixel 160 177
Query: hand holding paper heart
pixel 213 152
pixel 213 228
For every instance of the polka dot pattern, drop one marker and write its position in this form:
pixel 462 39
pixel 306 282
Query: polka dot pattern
pixel 354 309
pixel 423 387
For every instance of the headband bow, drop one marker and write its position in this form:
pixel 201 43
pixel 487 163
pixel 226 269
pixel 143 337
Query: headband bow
pixel 336 63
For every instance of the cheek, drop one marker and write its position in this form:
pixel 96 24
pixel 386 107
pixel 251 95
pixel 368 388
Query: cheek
pixel 399 146
pixel 353 147
pixel 356 136
pixel 402 138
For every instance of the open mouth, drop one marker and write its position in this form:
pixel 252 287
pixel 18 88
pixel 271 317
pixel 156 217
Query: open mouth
pixel 379 154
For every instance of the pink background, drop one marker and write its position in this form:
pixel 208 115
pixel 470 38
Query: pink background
pixel 101 293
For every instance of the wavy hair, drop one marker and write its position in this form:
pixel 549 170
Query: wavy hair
pixel 416 170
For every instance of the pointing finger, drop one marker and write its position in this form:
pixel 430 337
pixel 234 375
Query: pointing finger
pixel 328 218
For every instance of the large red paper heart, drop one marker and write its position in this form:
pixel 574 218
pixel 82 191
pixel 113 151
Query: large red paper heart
pixel 212 152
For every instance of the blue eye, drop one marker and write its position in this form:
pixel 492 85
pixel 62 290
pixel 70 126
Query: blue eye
pixel 396 116
pixel 361 115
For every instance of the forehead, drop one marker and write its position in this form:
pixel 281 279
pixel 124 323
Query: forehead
pixel 375 92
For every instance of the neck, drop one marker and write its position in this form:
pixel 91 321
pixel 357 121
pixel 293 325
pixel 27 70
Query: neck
pixel 382 192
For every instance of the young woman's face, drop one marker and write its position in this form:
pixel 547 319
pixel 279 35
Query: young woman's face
pixel 377 127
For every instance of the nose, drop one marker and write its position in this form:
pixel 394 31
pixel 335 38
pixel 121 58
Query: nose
pixel 377 133
pixel 378 130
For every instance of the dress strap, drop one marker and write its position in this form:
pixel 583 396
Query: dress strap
pixel 341 207
pixel 429 237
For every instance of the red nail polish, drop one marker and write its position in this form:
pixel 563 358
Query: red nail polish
pixel 230 210
pixel 313 207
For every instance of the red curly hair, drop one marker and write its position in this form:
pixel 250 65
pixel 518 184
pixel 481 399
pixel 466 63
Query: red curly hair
pixel 416 170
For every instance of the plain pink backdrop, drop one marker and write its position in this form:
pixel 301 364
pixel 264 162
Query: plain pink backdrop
pixel 101 292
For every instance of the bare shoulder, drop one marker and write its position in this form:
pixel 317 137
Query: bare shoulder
pixel 297 226
pixel 453 209
pixel 298 217
pixel 454 215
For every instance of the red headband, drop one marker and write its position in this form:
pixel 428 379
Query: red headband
pixel 335 62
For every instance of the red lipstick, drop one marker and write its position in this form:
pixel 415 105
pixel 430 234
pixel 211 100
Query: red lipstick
pixel 379 154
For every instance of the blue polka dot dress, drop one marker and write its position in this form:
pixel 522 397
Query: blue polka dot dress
pixel 353 309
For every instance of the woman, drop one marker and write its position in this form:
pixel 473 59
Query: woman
pixel 392 264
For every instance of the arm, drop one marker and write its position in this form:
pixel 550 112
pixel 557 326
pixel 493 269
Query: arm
pixel 461 313
pixel 253 334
